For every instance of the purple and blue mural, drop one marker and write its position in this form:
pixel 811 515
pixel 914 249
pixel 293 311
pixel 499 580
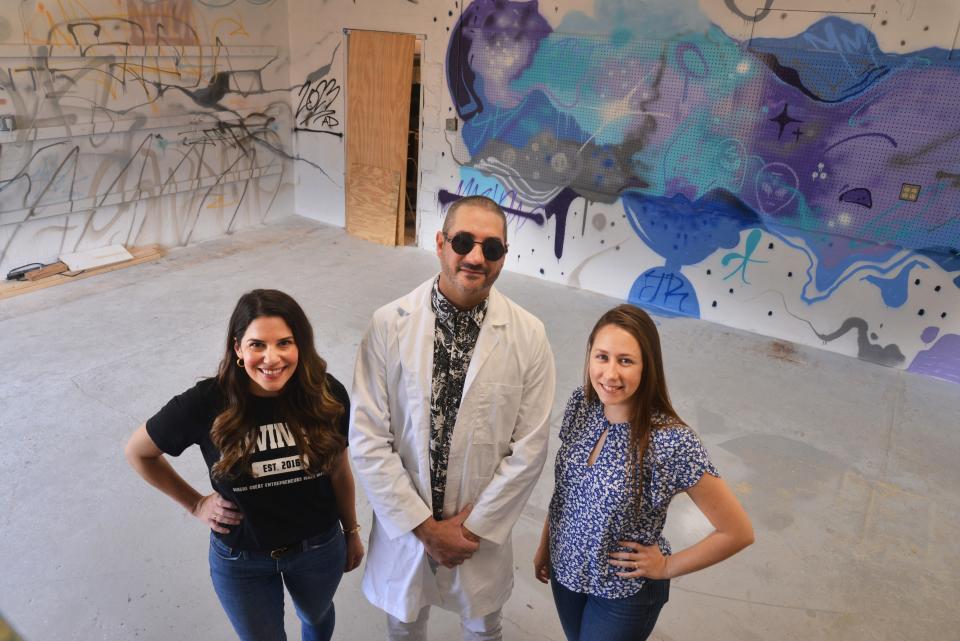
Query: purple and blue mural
pixel 722 151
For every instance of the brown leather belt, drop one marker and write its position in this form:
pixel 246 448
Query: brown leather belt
pixel 287 549
pixel 300 546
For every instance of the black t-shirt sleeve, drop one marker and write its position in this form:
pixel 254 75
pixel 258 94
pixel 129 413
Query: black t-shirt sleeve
pixel 185 419
pixel 340 393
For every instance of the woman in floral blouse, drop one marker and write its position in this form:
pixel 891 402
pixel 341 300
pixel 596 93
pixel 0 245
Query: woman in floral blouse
pixel 624 455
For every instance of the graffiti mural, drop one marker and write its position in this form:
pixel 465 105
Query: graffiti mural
pixel 782 181
pixel 316 109
pixel 158 123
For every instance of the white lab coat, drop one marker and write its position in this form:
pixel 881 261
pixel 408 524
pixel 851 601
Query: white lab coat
pixel 497 451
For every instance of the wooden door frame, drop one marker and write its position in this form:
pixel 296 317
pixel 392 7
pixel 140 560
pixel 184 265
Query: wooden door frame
pixel 422 39
pixel 399 231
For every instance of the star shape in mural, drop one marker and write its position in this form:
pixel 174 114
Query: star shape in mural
pixel 783 119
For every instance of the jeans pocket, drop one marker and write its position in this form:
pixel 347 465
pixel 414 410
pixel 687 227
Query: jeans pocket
pixel 223 551
pixel 653 594
pixel 657 591
pixel 324 539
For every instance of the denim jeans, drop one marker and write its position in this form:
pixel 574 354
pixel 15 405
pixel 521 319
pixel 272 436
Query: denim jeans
pixel 250 587
pixel 585 617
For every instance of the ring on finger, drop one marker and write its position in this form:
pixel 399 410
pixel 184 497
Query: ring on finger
pixel 636 565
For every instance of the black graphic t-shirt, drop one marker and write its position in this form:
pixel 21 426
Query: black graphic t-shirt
pixel 280 503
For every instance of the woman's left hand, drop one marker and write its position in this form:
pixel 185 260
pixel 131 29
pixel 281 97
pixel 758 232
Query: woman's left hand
pixel 354 551
pixel 640 561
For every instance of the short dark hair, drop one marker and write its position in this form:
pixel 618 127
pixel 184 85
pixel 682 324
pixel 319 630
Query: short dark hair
pixel 477 201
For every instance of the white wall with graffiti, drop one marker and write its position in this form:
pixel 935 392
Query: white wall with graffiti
pixel 793 172
pixel 790 171
pixel 318 67
pixel 140 121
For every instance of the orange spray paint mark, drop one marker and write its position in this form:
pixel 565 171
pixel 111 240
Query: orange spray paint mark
pixel 218 202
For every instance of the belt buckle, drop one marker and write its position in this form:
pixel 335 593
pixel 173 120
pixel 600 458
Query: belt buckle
pixel 279 552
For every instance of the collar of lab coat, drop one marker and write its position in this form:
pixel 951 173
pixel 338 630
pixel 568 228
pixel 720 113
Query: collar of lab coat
pixel 415 327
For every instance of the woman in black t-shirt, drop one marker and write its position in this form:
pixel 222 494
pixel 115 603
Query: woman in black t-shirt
pixel 272 427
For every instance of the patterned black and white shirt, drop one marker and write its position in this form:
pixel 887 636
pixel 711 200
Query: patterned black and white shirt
pixel 455 335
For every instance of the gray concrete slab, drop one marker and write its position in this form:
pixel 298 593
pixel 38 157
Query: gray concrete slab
pixel 847 468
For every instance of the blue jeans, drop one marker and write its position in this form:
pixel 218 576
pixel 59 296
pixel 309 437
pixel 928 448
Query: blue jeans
pixel 585 617
pixel 250 587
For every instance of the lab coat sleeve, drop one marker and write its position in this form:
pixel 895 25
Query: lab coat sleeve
pixel 388 486
pixel 500 503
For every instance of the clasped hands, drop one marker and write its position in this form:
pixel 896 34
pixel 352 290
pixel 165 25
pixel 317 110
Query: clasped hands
pixel 448 542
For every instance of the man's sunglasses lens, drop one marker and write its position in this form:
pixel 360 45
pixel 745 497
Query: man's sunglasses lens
pixel 463 243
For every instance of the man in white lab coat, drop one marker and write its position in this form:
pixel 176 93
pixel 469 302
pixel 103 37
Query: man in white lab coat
pixel 448 432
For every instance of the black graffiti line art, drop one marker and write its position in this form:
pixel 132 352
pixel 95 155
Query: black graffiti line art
pixel 141 67
pixel 759 13
pixel 558 207
pixel 791 76
pixel 783 119
pixel 234 141
pixel 875 353
pixel 322 72
pixel 316 99
pixel 315 110
pixel 209 96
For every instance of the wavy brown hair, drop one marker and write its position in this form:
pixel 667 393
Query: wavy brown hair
pixel 306 404
pixel 651 397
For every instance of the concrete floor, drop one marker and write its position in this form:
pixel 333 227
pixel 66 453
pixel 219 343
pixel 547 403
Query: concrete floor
pixel 847 469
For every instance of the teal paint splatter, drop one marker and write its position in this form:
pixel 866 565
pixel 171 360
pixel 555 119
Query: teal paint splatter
pixel 752 241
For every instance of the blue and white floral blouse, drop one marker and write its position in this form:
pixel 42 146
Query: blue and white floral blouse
pixel 592 508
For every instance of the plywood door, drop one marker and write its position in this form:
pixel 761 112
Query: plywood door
pixel 379 74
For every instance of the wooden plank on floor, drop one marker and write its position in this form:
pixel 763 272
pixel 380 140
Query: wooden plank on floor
pixel 47 270
pixel 143 254
pixel 371 201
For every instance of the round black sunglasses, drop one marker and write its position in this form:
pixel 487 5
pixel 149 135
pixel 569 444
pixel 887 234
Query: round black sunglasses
pixel 463 242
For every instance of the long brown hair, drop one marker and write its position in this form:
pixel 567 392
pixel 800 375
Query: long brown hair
pixel 651 397
pixel 306 404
